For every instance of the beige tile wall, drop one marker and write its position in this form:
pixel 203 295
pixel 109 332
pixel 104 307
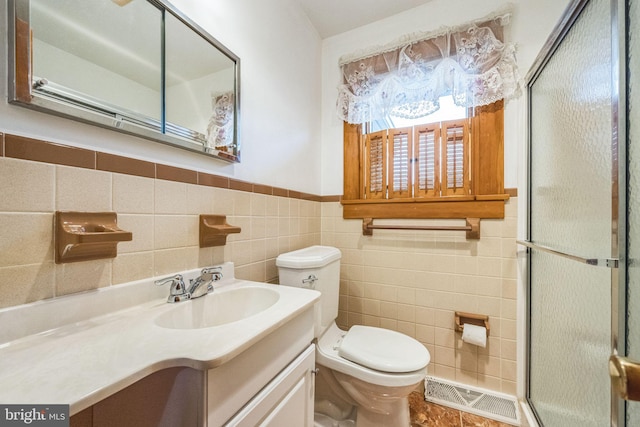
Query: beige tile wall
pixel 414 281
pixel 408 281
pixel 163 216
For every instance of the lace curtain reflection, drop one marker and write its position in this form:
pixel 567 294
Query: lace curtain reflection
pixel 472 63
pixel 220 128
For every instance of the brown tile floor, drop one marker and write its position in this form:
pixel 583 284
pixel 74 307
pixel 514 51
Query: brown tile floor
pixel 427 414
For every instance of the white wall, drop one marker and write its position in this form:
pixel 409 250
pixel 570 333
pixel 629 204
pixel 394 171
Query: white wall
pixel 280 98
pixel 71 71
pixel 532 22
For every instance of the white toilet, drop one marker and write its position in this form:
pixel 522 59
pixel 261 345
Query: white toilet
pixel 365 374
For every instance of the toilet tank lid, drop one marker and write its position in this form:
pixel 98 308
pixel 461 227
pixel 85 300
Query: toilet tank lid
pixel 311 257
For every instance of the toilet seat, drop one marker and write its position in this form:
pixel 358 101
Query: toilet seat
pixel 383 350
pixel 327 354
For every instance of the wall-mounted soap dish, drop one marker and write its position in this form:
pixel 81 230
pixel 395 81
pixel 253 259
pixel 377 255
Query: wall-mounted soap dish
pixel 214 230
pixel 84 236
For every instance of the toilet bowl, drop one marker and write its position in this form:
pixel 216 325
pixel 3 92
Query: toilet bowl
pixel 377 368
pixel 366 373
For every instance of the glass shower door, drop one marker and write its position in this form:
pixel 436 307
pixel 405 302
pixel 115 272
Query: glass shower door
pixel 572 223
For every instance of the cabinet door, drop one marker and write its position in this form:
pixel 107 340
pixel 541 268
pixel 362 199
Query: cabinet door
pixel 294 409
pixel 287 401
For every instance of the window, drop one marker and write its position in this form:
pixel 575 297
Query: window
pixel 421 161
pixel 427 157
pixel 448 169
pixel 448 111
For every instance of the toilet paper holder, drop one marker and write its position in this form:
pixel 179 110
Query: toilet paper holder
pixel 474 319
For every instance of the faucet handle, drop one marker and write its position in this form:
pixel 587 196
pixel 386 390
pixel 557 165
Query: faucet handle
pixel 211 273
pixel 177 284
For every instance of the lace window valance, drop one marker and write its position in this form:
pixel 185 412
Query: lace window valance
pixel 471 62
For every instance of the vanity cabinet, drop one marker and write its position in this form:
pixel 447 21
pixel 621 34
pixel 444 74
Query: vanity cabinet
pixel 168 398
pixel 286 401
pixel 270 383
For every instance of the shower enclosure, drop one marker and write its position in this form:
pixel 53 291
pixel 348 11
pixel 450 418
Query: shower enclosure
pixel 583 234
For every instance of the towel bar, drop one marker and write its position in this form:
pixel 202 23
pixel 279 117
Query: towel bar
pixel 472 228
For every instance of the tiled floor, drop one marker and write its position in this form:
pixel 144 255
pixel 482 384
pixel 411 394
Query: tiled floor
pixel 427 414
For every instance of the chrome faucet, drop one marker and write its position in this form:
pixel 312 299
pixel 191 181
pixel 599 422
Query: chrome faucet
pixel 204 283
pixel 198 287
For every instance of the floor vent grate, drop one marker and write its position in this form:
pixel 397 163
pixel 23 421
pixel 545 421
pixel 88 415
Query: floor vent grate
pixel 488 404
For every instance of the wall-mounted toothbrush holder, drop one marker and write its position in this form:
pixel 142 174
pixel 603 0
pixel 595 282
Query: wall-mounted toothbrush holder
pixel 474 319
pixel 84 236
pixel 214 230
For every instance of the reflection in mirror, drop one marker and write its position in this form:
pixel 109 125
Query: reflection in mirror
pixel 138 66
pixel 111 63
pixel 200 82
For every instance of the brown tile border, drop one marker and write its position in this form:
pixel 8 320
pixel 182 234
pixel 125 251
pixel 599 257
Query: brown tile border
pixel 282 192
pixel 213 180
pixel 172 173
pixel 295 194
pixel 310 197
pixel 236 184
pixel 20 147
pixel 263 189
pixel 331 198
pixel 126 165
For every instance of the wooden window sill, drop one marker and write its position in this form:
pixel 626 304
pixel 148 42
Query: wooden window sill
pixel 484 206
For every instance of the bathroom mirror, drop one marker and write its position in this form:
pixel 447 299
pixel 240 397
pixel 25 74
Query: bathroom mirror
pixel 135 66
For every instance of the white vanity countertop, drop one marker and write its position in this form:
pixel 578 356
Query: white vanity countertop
pixel 87 360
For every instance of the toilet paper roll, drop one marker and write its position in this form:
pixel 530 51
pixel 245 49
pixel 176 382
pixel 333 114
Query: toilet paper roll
pixel 473 334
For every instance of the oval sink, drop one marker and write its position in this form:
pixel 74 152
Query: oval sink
pixel 219 308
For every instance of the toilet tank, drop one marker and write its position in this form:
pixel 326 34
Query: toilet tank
pixel 315 267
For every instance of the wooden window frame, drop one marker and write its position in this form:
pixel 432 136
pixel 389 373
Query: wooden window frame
pixel 484 199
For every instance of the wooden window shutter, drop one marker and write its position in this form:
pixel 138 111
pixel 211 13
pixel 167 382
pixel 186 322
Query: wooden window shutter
pixel 376 165
pixel 427 161
pixel 488 149
pixel 455 157
pixel 353 162
pixel 400 155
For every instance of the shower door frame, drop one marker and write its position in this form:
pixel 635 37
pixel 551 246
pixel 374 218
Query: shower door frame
pixel 617 261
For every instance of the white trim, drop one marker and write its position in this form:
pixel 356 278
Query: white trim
pixel 528 419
